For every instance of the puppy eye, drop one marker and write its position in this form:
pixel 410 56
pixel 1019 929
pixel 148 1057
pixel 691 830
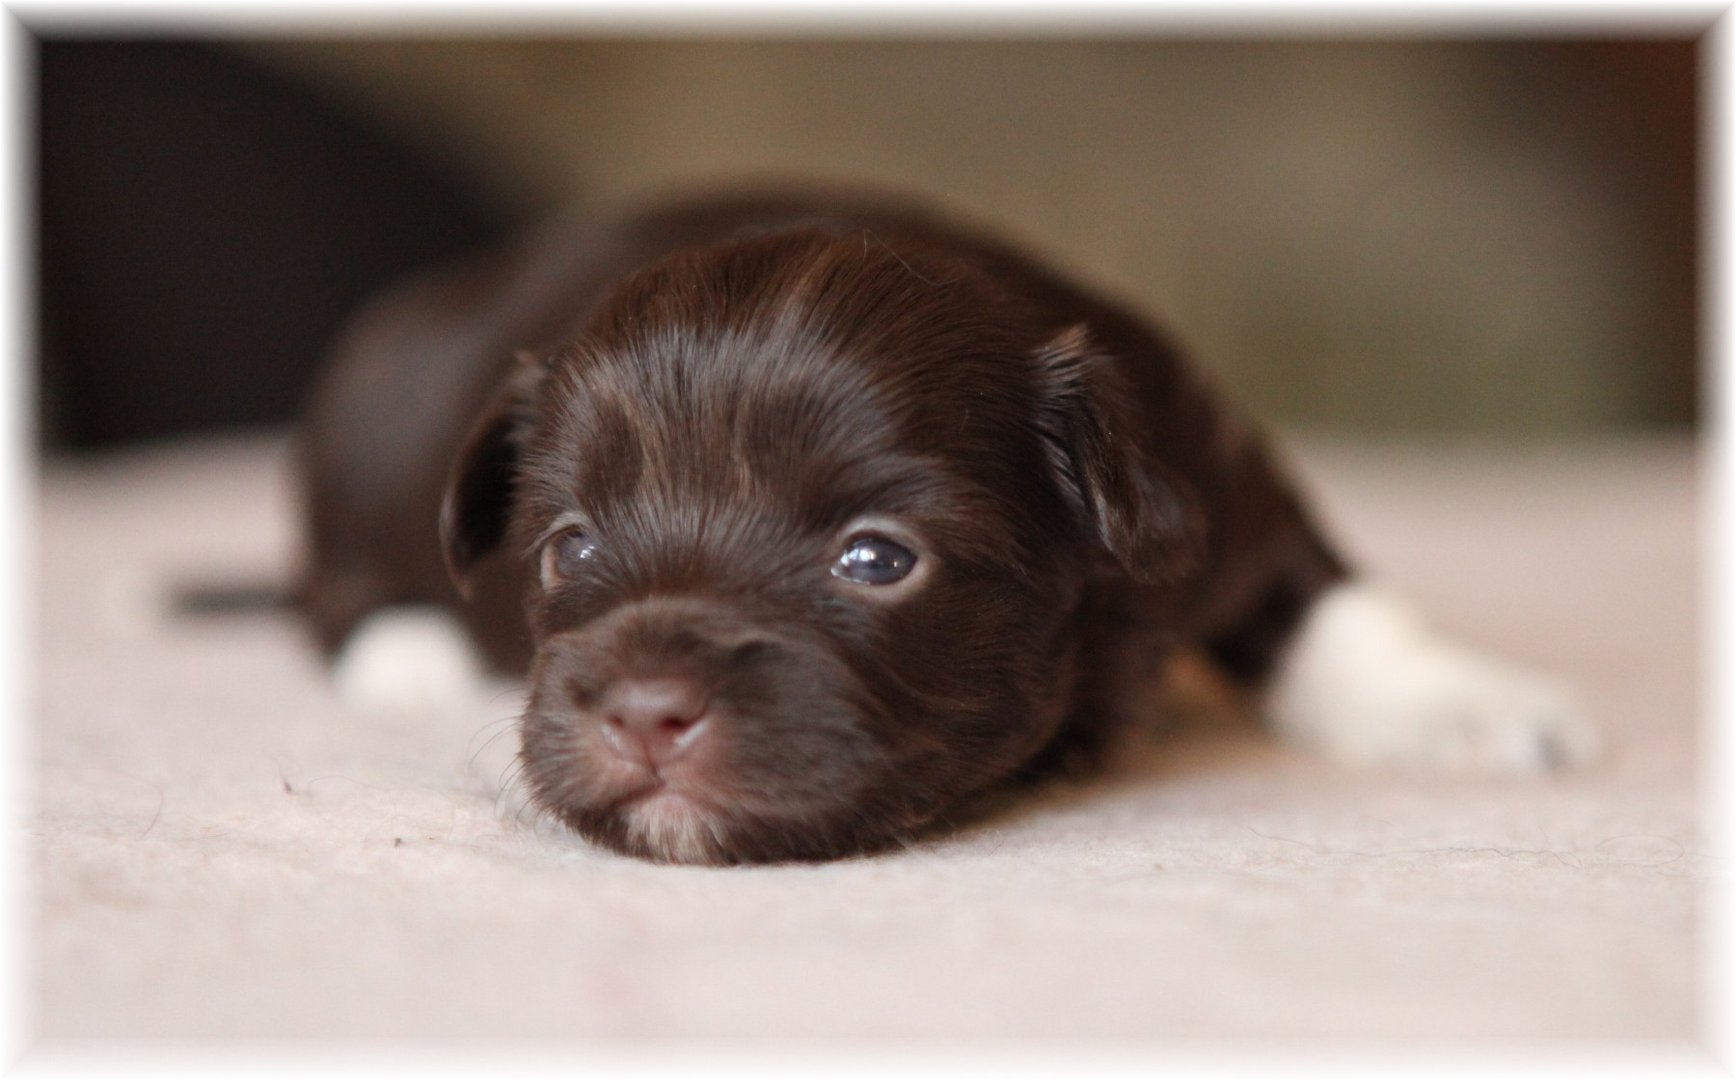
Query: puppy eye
pixel 566 555
pixel 874 560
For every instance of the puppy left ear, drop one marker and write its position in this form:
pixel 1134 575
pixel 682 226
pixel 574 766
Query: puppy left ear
pixel 477 506
pixel 1144 514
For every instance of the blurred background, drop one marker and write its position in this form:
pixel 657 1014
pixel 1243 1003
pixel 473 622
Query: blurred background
pixel 1486 238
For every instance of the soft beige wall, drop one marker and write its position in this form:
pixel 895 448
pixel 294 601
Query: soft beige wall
pixel 1374 236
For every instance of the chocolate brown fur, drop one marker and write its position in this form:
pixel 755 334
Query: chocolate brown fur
pixel 718 390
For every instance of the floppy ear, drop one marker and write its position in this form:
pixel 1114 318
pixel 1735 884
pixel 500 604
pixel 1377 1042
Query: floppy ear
pixel 1145 515
pixel 477 506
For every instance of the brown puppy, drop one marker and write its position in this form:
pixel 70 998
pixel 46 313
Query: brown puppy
pixel 829 515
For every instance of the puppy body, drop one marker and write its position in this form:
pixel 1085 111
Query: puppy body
pixel 670 431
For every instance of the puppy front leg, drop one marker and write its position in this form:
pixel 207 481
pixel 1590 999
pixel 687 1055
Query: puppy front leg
pixel 1348 668
pixel 1364 678
pixel 407 660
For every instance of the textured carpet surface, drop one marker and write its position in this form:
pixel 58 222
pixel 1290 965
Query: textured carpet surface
pixel 220 850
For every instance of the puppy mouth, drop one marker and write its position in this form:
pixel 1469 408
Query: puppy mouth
pixel 679 817
pixel 648 783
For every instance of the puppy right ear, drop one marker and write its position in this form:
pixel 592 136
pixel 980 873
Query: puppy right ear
pixel 477 506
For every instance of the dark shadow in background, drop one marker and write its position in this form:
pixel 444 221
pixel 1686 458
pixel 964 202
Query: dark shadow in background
pixel 206 224
pixel 204 228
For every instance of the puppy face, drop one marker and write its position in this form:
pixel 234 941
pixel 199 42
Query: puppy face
pixel 810 518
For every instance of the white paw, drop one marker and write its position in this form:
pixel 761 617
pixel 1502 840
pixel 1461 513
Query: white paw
pixel 407 660
pixel 1366 681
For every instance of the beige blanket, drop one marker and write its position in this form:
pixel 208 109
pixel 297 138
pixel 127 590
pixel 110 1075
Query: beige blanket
pixel 220 850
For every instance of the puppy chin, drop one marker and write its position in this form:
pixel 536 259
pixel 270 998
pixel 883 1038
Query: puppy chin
pixel 673 827
pixel 703 825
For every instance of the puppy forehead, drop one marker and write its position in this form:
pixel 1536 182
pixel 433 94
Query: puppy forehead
pixel 734 419
pixel 755 395
pixel 733 404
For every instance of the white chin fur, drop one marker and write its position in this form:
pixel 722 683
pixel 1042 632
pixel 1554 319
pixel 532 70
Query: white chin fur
pixel 1366 681
pixel 673 828
pixel 407 660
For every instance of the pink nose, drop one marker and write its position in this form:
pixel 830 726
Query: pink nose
pixel 653 721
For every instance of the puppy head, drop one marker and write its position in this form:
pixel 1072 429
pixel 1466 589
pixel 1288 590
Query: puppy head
pixel 810 518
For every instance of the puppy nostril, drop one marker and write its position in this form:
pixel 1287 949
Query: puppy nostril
pixel 619 739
